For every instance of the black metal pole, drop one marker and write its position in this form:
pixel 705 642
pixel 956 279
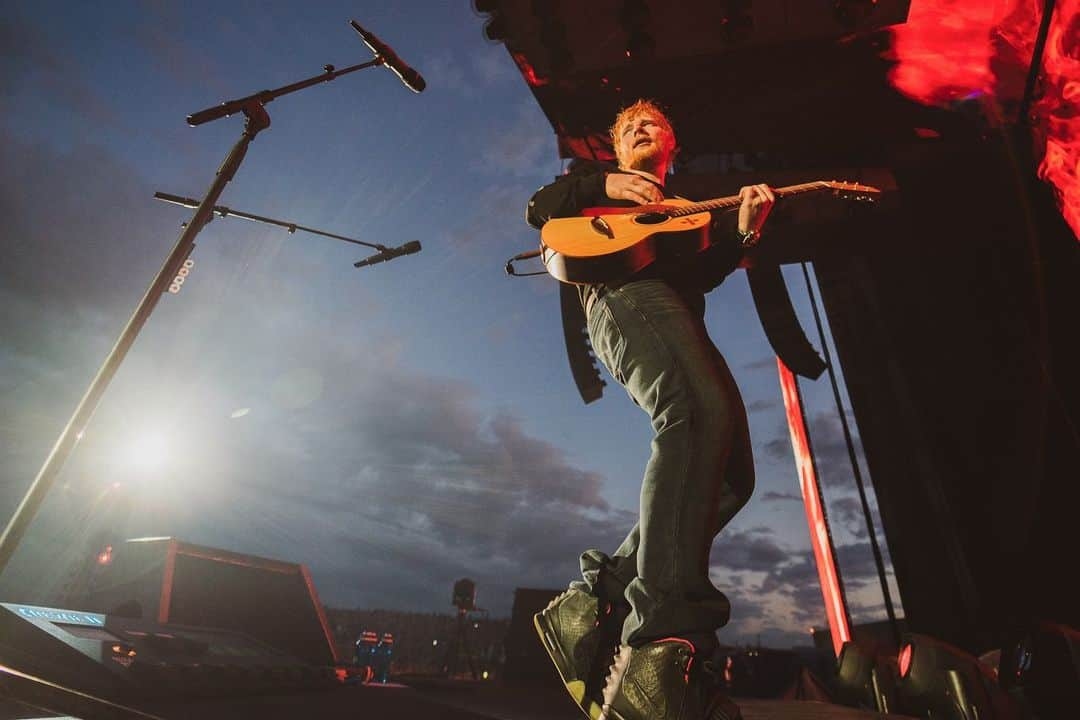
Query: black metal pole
pixel 223 211
pixel 1036 62
pixel 230 107
pixel 878 560
pixel 257 120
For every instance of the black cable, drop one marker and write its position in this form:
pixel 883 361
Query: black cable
pixel 523 256
pixel 854 461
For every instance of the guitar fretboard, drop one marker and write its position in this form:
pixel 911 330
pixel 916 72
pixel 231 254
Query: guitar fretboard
pixel 734 201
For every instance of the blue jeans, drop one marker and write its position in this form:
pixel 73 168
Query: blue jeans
pixel 653 341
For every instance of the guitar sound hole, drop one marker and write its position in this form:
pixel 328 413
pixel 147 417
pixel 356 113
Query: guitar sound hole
pixel 651 218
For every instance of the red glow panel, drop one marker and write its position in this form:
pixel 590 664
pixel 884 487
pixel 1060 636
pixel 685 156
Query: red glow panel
pixel 949 50
pixel 835 611
pixel 904 660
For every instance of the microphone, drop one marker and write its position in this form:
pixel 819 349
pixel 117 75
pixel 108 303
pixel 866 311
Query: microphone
pixel 413 246
pixel 410 77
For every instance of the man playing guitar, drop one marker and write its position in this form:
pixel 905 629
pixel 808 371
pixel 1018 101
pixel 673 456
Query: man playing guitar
pixel 653 596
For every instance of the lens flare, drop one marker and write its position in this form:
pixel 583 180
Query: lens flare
pixel 148 452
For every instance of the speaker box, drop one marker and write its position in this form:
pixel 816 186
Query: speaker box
pixel 170 581
pixel 527 662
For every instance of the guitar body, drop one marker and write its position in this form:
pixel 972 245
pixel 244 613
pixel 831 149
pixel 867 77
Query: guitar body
pixel 610 243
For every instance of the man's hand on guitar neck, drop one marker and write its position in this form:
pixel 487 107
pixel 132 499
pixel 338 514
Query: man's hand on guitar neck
pixel 627 186
pixel 757 201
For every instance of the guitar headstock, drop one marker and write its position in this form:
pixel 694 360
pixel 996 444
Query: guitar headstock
pixel 852 191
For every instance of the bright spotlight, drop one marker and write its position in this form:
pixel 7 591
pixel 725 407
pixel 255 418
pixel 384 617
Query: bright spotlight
pixel 148 452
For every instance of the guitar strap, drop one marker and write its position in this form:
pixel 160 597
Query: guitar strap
pixel 780 323
pixel 578 350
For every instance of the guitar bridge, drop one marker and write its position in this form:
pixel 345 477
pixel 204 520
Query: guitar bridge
pixel 600 225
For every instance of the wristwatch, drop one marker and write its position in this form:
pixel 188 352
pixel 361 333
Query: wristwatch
pixel 748 238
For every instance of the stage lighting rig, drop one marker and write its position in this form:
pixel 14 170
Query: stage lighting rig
pixel 853 669
pixel 866 680
pixel 464 598
pixel 939 681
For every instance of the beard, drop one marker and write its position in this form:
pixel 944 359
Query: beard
pixel 648 157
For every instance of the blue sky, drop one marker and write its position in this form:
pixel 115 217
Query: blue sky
pixel 395 427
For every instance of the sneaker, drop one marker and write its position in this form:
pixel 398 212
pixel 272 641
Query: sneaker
pixel 569 628
pixel 660 681
pixel 613 686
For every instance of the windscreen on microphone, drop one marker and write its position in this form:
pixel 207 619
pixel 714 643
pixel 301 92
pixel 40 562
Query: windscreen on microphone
pixel 413 246
pixel 410 77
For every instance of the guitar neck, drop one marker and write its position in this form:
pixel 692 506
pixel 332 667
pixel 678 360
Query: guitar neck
pixel 733 201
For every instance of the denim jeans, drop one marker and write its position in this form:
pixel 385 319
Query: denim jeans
pixel 701 472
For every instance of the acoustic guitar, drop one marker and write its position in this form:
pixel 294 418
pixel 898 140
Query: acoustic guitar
pixel 606 244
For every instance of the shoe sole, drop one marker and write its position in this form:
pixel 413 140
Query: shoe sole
pixel 575 686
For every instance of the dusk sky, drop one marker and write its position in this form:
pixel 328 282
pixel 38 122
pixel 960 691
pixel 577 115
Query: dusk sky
pixel 394 427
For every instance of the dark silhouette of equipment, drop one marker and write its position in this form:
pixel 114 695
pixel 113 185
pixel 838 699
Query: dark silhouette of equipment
pixel 1043 668
pixel 460 647
pixel 170 581
pixel 527 663
pixel 126 660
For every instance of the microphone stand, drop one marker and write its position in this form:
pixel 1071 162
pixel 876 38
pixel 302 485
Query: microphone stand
pixel 257 119
pixel 291 228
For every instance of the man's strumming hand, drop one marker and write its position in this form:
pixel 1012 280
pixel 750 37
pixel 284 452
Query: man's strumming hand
pixel 626 186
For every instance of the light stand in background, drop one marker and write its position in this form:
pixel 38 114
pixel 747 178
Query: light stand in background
pixel 256 120
pixel 464 600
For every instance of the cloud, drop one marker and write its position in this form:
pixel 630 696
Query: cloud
pixel 522 146
pixel 829 445
pixel 788 594
pixel 25 59
pixel 493 64
pixel 761 364
pixel 773 496
pixel 445 72
pixel 468 75
pixel 857 564
pixel 434 488
pixel 762 405
pixel 848 511
pixel 747 551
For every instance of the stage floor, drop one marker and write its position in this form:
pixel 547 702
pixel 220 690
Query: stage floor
pixel 464 701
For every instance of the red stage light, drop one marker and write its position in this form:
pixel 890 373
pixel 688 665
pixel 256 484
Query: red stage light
pixel 904 660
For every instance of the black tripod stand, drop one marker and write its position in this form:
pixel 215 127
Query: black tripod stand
pixel 460 646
